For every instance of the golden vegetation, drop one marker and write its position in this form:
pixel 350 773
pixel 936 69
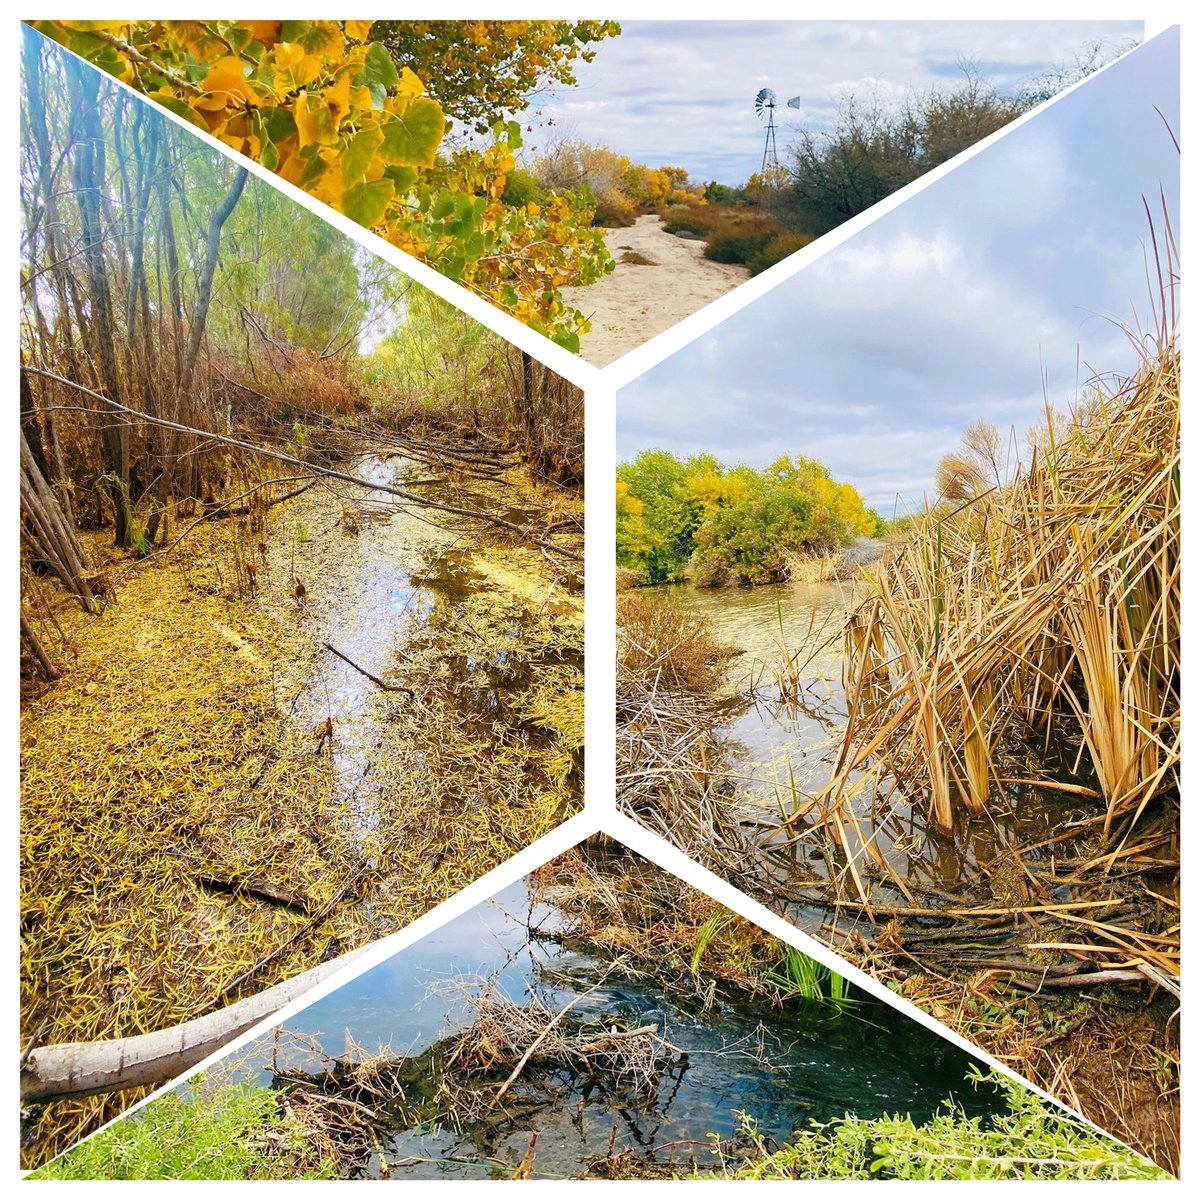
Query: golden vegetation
pixel 1055 599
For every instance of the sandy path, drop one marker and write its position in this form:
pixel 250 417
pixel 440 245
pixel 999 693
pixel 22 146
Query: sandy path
pixel 636 302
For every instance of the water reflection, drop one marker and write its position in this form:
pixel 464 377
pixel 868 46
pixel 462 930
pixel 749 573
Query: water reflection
pixel 783 747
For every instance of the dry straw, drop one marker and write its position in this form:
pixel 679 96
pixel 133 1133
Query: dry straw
pixel 1047 605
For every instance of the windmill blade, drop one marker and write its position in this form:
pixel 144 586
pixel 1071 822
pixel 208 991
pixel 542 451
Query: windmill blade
pixel 764 101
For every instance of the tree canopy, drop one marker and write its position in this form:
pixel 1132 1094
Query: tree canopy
pixel 332 112
pixel 730 524
pixel 483 71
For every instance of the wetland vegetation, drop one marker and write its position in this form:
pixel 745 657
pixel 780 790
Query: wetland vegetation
pixel 959 764
pixel 301 613
pixel 600 1019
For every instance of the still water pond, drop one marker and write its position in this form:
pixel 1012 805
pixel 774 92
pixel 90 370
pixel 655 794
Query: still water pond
pixel 784 1068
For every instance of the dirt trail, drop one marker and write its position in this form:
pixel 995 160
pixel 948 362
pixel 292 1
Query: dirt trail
pixel 638 301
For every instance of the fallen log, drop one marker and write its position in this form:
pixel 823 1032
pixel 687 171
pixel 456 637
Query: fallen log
pixel 72 1069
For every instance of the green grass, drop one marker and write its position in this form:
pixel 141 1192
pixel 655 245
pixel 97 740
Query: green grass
pixel 1032 1140
pixel 182 1135
pixel 799 977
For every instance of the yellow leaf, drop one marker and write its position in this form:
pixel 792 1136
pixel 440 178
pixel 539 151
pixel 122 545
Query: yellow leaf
pixel 358 30
pixel 312 120
pixel 266 32
pixel 293 67
pixel 227 77
pixel 338 99
pixel 410 86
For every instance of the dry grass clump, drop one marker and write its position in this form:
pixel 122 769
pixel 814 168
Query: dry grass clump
pixel 671 768
pixel 659 640
pixel 1053 601
pixel 617 905
pixel 803 567
pixel 506 1038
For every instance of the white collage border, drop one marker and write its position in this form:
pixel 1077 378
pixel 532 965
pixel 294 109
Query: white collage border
pixel 601 387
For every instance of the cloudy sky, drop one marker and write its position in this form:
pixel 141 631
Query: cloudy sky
pixel 945 311
pixel 681 93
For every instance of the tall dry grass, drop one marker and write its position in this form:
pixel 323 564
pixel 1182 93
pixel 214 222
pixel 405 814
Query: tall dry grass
pixel 1049 603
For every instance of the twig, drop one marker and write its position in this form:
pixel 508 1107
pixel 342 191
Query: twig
pixel 387 687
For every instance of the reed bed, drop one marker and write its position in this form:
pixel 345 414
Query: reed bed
pixel 1047 606
pixel 671 767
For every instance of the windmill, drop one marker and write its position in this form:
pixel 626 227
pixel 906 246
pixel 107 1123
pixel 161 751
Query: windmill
pixel 764 105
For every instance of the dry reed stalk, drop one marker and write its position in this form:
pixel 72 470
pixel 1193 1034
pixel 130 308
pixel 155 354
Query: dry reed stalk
pixel 1056 597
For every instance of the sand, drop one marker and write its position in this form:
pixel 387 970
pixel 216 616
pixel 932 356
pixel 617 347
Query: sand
pixel 636 302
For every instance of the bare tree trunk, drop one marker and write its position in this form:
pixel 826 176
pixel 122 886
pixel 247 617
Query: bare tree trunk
pixel 88 169
pixel 212 250
pixel 38 650
pixel 51 536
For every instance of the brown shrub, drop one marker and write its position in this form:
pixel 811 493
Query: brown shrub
pixel 659 637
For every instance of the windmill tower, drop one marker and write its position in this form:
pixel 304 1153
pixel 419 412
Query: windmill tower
pixel 764 105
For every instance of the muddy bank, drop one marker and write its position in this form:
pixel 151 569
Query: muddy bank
pixel 640 299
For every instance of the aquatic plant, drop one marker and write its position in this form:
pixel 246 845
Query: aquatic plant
pixel 799 976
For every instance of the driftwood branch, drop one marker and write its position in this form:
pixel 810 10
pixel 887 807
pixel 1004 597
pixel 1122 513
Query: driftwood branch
pixel 88 1068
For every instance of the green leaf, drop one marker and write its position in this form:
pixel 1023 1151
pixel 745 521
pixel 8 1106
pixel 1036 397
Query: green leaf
pixel 412 140
pixel 359 153
pixel 378 71
pixel 278 123
pixel 367 202
pixel 317 37
pixel 403 177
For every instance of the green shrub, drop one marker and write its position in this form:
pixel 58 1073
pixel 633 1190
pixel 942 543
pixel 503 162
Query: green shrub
pixel 521 188
pixel 777 249
pixel 730 525
pixel 1033 1139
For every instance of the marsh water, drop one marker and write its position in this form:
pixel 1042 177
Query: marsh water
pixel 783 751
pixel 782 1067
pixel 436 614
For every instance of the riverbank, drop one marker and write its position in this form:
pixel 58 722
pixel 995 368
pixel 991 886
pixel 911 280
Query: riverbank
pixel 600 1020
pixel 283 742
pixel 658 280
